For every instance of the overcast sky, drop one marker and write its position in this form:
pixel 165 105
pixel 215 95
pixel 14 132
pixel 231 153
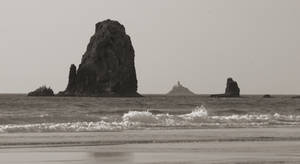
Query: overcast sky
pixel 199 42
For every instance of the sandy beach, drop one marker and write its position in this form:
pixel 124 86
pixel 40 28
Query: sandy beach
pixel 212 146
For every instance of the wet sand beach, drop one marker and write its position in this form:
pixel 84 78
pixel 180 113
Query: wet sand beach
pixel 207 153
pixel 212 146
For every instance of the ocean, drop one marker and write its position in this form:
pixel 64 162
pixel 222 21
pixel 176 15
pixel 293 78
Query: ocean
pixel 21 114
pixel 154 129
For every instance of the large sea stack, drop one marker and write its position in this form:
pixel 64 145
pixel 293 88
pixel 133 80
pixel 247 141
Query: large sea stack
pixel 232 89
pixel 107 67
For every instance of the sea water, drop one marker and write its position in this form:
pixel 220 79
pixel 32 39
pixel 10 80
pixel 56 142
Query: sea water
pixel 19 113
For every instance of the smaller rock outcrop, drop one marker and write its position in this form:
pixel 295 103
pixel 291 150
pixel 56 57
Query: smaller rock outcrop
pixel 180 90
pixel 71 87
pixel 42 91
pixel 267 96
pixel 232 89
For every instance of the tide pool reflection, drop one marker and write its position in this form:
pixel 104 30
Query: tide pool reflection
pixel 112 157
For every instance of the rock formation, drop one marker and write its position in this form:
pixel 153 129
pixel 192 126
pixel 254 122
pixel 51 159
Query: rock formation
pixel 296 97
pixel 107 67
pixel 180 90
pixel 232 89
pixel 267 96
pixel 42 91
pixel 72 80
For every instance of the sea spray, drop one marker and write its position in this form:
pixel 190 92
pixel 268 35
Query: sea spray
pixel 198 112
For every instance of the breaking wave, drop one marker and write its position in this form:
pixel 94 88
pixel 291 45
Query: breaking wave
pixel 198 118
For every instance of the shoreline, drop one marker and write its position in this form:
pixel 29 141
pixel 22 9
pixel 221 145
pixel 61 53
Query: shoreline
pixel 23 140
pixel 273 152
pixel 209 146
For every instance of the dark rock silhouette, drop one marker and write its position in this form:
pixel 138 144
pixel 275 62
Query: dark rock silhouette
pixel 107 67
pixel 42 91
pixel 180 90
pixel 267 96
pixel 72 80
pixel 232 89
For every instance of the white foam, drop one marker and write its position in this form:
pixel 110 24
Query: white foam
pixel 63 127
pixel 198 112
pixel 139 116
pixel 199 117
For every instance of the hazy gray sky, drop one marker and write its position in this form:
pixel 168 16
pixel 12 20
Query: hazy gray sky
pixel 199 42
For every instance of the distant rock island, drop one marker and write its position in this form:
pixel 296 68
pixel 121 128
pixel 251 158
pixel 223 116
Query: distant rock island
pixel 180 90
pixel 267 96
pixel 107 67
pixel 232 89
pixel 42 91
